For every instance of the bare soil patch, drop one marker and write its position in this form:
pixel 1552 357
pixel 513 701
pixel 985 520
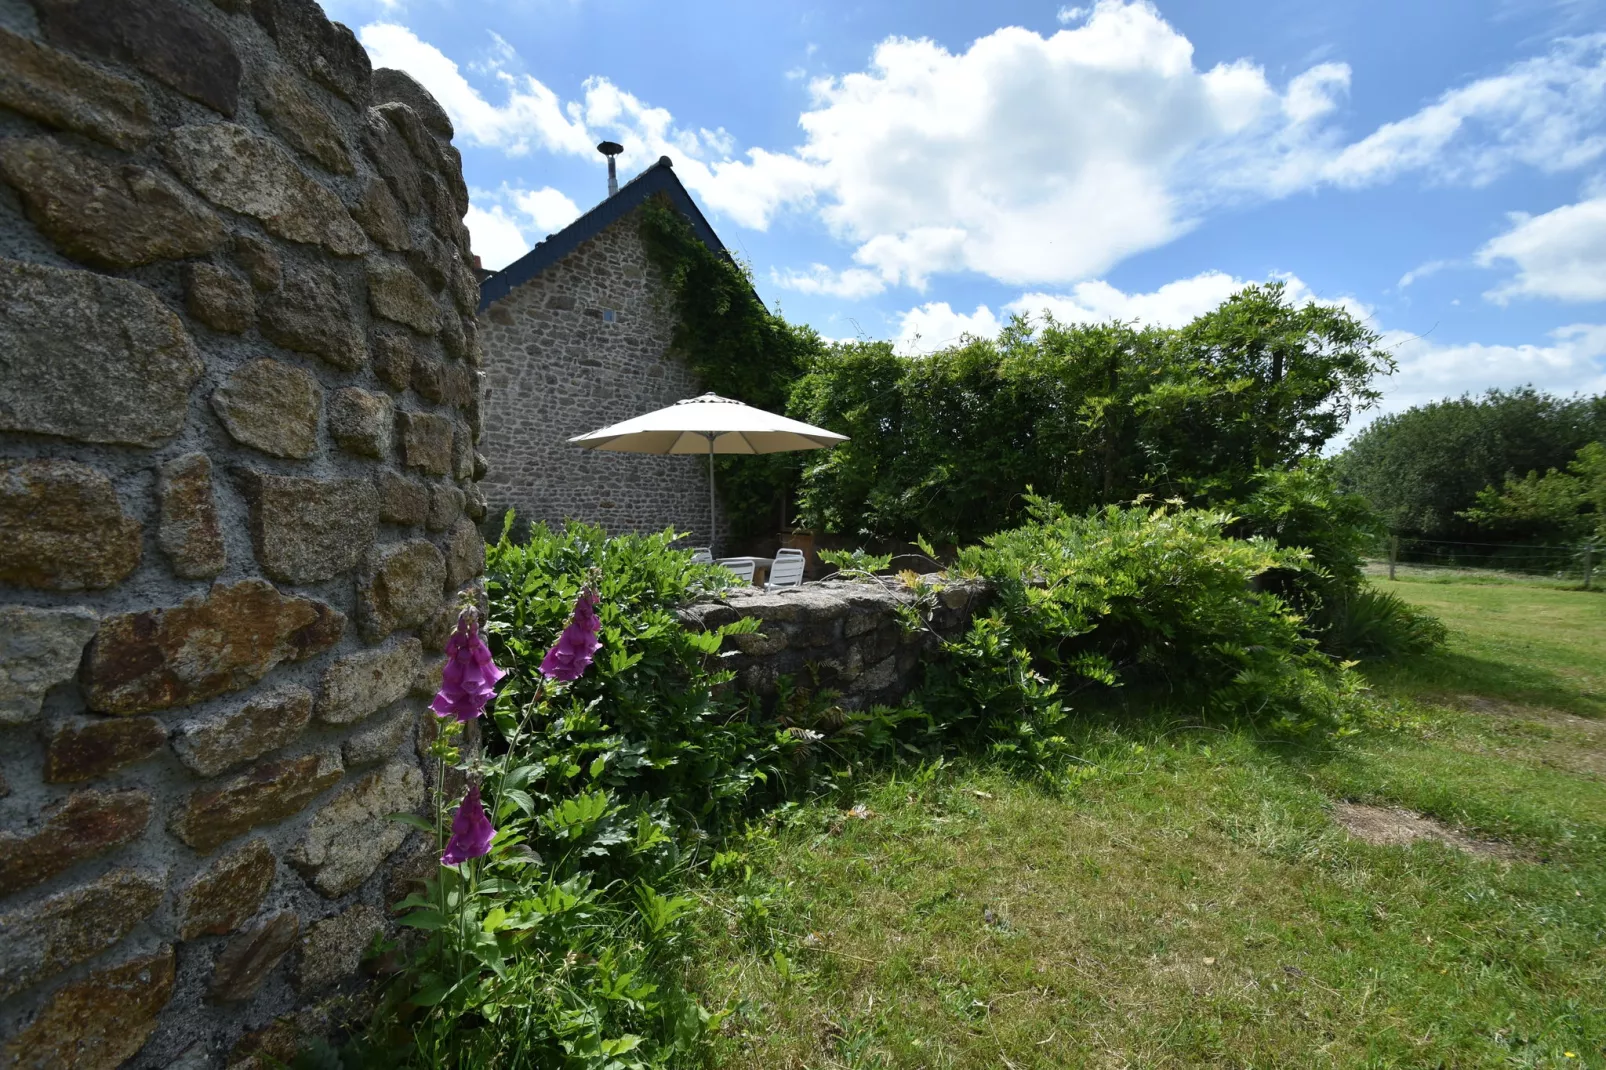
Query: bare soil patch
pixel 1393 827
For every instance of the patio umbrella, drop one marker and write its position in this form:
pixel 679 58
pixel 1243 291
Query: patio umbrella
pixel 709 424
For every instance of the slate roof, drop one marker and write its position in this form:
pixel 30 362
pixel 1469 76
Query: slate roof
pixel 659 178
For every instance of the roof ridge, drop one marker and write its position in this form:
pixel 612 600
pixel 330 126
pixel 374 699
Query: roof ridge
pixel 659 178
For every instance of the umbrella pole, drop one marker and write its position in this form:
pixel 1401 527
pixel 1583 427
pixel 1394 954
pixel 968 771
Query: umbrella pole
pixel 713 523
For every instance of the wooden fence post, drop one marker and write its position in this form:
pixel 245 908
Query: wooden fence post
pixel 1394 553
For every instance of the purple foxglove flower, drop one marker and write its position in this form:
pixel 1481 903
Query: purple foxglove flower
pixel 471 830
pixel 469 679
pixel 569 656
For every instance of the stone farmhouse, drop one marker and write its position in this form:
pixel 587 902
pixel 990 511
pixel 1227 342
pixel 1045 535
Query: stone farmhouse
pixel 576 336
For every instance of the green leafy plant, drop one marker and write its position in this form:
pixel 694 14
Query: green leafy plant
pixel 1160 598
pixel 949 444
pixel 856 561
pixel 563 943
pixel 1571 503
pixel 1369 624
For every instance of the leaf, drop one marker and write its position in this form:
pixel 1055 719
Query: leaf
pixel 429 920
pixel 519 799
pixel 414 820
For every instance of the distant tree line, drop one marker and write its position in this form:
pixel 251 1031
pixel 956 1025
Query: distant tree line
pixel 1510 465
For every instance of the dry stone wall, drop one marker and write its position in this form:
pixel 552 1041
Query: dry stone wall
pixel 239 408
pixel 580 346
pixel 844 635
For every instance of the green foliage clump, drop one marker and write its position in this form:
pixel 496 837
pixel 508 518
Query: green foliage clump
pixel 1570 504
pixel 1157 598
pixel 947 445
pixel 567 944
pixel 738 349
pixel 1424 468
pixel 1367 624
pixel 856 560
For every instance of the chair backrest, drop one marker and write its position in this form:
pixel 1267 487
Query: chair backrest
pixel 742 566
pixel 702 554
pixel 786 572
pixel 788 551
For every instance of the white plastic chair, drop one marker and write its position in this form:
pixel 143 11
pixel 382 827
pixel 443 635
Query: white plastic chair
pixel 741 566
pixel 702 555
pixel 788 551
pixel 786 572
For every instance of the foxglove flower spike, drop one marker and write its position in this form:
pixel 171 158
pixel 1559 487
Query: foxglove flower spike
pixel 572 653
pixel 469 679
pixel 471 830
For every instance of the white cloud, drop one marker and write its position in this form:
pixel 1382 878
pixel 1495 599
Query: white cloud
pixel 1422 271
pixel 548 209
pixel 532 117
pixel 1039 160
pixel 503 224
pixel 496 237
pixel 1575 359
pixel 852 284
pixel 1171 305
pixel 1068 15
pixel 935 325
pixel 929 327
pixel 1561 254
pixel 1544 112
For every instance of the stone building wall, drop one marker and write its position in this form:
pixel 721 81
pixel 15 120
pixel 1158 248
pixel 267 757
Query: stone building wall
pixel 844 635
pixel 556 366
pixel 238 414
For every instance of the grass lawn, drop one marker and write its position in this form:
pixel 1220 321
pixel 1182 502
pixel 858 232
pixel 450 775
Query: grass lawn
pixel 1191 901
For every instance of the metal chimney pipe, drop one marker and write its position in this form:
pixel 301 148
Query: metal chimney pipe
pixel 610 149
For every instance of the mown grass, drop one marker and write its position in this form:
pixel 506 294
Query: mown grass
pixel 1188 900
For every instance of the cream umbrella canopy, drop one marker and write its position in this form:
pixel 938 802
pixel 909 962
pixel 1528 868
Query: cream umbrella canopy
pixel 709 424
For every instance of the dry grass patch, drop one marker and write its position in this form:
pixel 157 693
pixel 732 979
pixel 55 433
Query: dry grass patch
pixel 1389 826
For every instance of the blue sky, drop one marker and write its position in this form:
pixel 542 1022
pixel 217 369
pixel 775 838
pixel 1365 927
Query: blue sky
pixel 915 171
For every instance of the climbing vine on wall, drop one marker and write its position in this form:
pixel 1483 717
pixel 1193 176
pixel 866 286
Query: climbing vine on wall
pixel 739 349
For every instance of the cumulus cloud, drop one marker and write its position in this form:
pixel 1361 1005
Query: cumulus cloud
pixel 935 325
pixel 1574 360
pixel 851 284
pixel 496 237
pixel 532 117
pixel 547 208
pixel 1561 254
pixel 503 224
pixel 1171 305
pixel 931 326
pixel 1048 159
pixel 1039 160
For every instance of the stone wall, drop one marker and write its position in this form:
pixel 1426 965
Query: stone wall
pixel 843 635
pixel 557 366
pixel 238 414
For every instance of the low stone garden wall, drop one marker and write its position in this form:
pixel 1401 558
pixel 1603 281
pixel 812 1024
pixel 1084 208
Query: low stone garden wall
pixel 845 635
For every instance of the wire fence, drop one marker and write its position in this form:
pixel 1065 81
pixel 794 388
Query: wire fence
pixel 1574 564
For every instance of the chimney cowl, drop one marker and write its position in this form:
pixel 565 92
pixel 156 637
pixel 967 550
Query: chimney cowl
pixel 611 149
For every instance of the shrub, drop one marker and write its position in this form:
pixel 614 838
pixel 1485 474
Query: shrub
pixel 1161 598
pixel 1370 624
pixel 1303 509
pixel 948 445
pixel 564 945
